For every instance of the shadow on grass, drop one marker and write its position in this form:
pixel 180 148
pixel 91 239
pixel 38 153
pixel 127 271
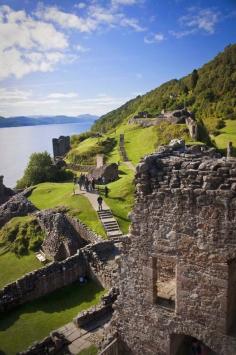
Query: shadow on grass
pixel 57 301
pixel 121 199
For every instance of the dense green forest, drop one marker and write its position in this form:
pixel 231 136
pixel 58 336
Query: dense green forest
pixel 209 92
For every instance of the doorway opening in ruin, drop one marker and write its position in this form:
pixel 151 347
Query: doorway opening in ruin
pixel 166 281
pixel 231 298
pixel 181 344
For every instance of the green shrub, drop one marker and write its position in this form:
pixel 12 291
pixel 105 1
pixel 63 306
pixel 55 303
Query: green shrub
pixel 41 169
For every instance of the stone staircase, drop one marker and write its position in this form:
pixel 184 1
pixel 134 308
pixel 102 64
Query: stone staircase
pixel 109 223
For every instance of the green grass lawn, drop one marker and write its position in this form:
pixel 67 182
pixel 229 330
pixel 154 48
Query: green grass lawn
pixel 19 328
pixel 50 195
pixel 13 267
pixel 140 142
pixel 92 350
pixel 121 197
pixel 228 134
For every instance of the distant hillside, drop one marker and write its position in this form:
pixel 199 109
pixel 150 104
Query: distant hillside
pixel 209 92
pixel 44 120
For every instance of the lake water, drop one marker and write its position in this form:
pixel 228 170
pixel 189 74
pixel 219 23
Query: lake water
pixel 18 143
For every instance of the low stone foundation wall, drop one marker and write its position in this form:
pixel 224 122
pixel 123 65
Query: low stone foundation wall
pixel 85 233
pixel 103 309
pixel 96 261
pixel 82 168
pixel 52 344
pixel 42 282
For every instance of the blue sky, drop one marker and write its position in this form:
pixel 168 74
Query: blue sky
pixel 75 57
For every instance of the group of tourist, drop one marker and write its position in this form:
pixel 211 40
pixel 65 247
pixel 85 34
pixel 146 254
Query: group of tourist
pixel 86 183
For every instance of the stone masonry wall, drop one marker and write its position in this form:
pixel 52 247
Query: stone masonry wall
pixel 96 261
pixel 185 215
pixel 43 281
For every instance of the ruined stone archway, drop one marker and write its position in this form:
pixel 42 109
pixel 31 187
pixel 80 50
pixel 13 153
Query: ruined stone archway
pixel 182 344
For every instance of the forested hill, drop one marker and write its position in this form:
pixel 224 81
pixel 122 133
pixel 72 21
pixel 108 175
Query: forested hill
pixel 209 92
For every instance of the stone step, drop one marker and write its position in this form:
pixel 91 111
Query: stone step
pixel 114 234
pixel 115 225
pixel 112 229
pixel 111 225
pixel 105 216
pixel 101 213
pixel 104 213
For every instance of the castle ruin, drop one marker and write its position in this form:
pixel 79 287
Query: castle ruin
pixel 61 146
pixel 178 271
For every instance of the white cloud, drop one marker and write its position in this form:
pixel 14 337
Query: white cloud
pixel 155 38
pixel 65 19
pixel 14 102
pixel 13 94
pixel 80 5
pixel 123 2
pixel 96 16
pixel 28 45
pixel 196 20
pixel 59 95
pixel 81 48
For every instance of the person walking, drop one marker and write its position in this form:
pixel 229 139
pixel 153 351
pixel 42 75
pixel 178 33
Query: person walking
pixel 80 182
pixel 100 200
pixel 93 184
pixel 106 190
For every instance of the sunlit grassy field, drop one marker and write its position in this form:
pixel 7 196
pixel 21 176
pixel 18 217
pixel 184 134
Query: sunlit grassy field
pixel 19 328
pixel 49 195
pixel 228 134
pixel 13 267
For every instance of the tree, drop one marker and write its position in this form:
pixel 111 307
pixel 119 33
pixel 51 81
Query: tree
pixel 194 78
pixel 39 169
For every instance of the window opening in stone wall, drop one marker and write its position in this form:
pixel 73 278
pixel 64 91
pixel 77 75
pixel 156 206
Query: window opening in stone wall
pixel 181 344
pixel 231 299
pixel 166 281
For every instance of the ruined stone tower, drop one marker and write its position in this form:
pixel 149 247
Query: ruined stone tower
pixel 60 146
pixel 178 271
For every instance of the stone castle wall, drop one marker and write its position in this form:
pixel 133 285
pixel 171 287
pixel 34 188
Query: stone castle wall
pixel 43 281
pixel 96 261
pixel 183 231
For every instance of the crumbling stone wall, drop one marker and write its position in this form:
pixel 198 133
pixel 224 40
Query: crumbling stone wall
pixel 5 192
pixel 96 261
pixel 101 262
pixel 87 234
pixel 16 206
pixel 62 240
pixel 43 281
pixel 184 221
pixel 60 146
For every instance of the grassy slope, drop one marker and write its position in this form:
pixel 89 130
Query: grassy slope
pixel 12 267
pixel 138 142
pixel 49 195
pixel 37 319
pixel 228 134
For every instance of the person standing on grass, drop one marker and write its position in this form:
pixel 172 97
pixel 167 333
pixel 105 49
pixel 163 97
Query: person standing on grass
pixel 106 190
pixel 99 199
